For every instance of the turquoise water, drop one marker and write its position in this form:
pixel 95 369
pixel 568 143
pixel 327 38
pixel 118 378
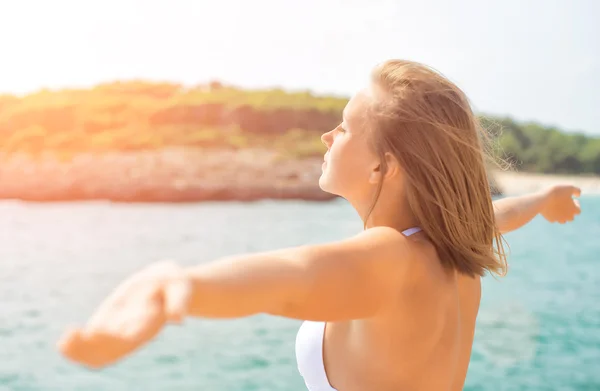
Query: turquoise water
pixel 539 328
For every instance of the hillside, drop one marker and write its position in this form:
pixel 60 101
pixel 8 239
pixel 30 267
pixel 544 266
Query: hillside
pixel 162 142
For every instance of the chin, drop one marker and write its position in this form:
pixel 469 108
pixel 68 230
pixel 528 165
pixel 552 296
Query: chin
pixel 325 185
pixel 322 182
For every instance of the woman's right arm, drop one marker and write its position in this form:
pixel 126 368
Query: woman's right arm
pixel 349 279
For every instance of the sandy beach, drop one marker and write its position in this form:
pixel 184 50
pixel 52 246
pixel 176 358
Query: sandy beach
pixel 514 183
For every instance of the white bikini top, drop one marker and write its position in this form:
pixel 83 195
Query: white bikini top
pixel 309 349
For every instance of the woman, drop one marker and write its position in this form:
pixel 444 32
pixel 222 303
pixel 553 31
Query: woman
pixel 392 308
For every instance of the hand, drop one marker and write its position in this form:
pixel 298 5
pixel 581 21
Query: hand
pixel 559 205
pixel 131 316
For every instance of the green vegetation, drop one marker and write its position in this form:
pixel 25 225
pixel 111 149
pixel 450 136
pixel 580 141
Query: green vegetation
pixel 535 148
pixel 140 115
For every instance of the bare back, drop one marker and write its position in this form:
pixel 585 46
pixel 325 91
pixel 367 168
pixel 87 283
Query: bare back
pixel 422 342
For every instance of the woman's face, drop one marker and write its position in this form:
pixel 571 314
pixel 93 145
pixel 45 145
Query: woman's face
pixel 350 162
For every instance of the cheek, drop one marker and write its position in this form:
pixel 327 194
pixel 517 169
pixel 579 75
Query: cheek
pixel 350 161
pixel 347 172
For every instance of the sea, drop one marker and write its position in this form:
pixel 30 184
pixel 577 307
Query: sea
pixel 538 327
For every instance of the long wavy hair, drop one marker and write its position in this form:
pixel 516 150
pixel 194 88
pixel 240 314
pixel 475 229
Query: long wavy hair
pixel 426 122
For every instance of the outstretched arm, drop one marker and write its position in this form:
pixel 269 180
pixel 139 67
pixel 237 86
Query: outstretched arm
pixel 343 280
pixel 556 204
pixel 349 279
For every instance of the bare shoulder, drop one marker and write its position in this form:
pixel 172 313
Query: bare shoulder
pixel 395 245
pixel 384 243
pixel 353 278
pixel 415 256
pixel 379 252
pixel 382 248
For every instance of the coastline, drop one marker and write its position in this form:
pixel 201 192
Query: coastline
pixel 166 175
pixel 197 175
pixel 516 183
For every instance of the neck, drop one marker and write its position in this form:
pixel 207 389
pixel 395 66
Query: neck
pixel 389 211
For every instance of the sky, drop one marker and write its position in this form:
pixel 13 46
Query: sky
pixel 533 60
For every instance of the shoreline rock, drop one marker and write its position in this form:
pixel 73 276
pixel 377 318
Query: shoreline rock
pixel 169 175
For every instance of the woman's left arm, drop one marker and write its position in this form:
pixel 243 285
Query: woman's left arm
pixel 556 204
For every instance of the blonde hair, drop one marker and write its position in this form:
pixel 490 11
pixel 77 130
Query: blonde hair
pixel 426 122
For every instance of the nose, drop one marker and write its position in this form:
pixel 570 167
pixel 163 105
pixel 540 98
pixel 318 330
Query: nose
pixel 327 139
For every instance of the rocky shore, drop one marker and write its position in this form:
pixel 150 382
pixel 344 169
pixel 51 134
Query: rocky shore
pixel 169 175
pixel 195 175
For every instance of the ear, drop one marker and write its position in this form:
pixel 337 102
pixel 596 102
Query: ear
pixel 389 168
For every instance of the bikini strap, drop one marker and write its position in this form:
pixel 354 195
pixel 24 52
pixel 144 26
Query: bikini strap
pixel 410 231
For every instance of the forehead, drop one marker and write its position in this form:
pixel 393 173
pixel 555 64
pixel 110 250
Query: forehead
pixel 356 109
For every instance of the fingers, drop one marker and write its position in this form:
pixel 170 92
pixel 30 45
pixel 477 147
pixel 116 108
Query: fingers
pixel 69 342
pixel 91 349
pixel 575 191
pixel 75 346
